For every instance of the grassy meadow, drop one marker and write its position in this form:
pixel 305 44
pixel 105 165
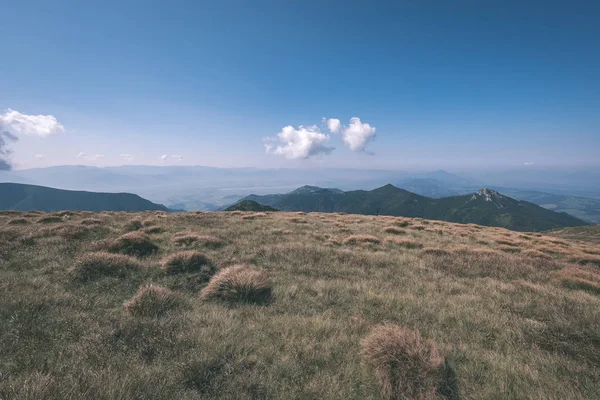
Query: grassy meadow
pixel 243 305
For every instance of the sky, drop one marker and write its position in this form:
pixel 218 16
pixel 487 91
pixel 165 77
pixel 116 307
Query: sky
pixel 390 85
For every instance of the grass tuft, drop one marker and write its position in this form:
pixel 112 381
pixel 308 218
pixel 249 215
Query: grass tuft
pixel 134 244
pixel 92 266
pixel 362 239
pixel 239 283
pixel 406 365
pixel 189 262
pixel 153 301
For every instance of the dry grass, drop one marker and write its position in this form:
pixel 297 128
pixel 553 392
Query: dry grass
pixel 91 221
pixel 92 266
pixel 406 365
pixel 18 221
pixel 254 215
pixel 188 239
pixel 133 243
pixel 394 231
pixel 188 262
pixel 513 325
pixel 153 301
pixel 49 219
pixel 406 243
pixel 239 283
pixel 362 239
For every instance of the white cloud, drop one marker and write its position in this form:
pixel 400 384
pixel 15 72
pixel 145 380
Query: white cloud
pixel 298 143
pixel 127 156
pixel 97 156
pixel 40 156
pixel 528 163
pixel 164 157
pixel 357 135
pixel 16 123
pixel 81 154
pixel 177 157
pixel 334 125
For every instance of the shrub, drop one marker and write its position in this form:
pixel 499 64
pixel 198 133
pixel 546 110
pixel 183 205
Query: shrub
pixel 406 365
pixel 187 239
pixel 18 221
pixel 188 261
pixel 153 301
pixel 239 283
pixel 362 239
pixel 92 266
pixel 133 244
pixel 50 219
pixel 394 231
pixel 91 221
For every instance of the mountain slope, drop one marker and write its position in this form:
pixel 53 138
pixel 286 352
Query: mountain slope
pixel 485 207
pixel 249 205
pixel 16 196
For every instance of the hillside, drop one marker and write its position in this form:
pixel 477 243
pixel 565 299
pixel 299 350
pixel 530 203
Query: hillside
pixel 15 196
pixel 249 205
pixel 485 207
pixel 92 307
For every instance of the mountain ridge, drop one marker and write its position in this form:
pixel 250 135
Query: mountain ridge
pixel 24 197
pixel 483 207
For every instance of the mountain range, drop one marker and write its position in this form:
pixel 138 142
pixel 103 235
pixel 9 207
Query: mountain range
pixel 484 207
pixel 15 196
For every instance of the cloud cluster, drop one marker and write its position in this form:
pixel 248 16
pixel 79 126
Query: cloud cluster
pixel 127 156
pixel 13 124
pixel 300 143
pixel 357 135
pixel 165 157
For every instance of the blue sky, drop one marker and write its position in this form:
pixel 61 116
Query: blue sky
pixel 461 84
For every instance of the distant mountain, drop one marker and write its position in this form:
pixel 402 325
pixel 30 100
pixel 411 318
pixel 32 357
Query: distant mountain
pixel 249 205
pixel 484 207
pixel 16 196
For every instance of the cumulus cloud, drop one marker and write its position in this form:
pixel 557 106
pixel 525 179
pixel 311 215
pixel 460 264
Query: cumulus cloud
pixel 164 157
pixel 14 124
pixel 40 156
pixel 127 156
pixel 179 158
pixel 356 136
pixel 300 143
pixel 81 154
pixel 35 125
pixel 96 156
pixel 528 163
pixel 334 125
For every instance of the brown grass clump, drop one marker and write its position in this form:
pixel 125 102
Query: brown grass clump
pixel 69 231
pixel 187 239
pixel 153 229
pixel 402 223
pixel 92 266
pixel 133 243
pixel 509 249
pixel 133 225
pixel 18 221
pixel 239 283
pixel 577 278
pixel 394 231
pixel 535 253
pixel 406 365
pixel 189 261
pixel 362 239
pixel 91 221
pixel 254 215
pixel 50 219
pixel 406 243
pixel 435 252
pixel 153 301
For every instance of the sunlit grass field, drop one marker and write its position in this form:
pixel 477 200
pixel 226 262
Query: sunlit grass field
pixel 235 305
